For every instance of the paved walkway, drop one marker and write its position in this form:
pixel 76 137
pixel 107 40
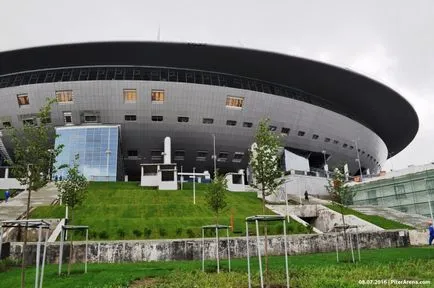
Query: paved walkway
pixel 17 205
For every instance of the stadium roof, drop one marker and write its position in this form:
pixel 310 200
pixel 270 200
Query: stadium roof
pixel 367 101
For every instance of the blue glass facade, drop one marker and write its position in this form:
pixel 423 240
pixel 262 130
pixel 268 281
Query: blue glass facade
pixel 97 147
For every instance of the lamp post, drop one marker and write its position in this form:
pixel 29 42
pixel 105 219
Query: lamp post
pixel 358 160
pixel 326 168
pixel 214 157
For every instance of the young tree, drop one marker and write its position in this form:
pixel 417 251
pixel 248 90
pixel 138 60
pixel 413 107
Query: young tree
pixel 267 175
pixel 341 194
pixel 33 158
pixel 73 190
pixel 216 195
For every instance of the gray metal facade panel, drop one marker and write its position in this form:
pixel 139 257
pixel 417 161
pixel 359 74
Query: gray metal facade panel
pixel 198 102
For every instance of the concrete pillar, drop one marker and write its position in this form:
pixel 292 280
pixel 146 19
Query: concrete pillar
pixel 7 173
pixel 167 150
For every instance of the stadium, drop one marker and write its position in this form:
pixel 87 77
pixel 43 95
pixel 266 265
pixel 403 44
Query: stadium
pixel 117 101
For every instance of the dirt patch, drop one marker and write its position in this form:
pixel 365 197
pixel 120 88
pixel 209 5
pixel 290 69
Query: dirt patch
pixel 144 283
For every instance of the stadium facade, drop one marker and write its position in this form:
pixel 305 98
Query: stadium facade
pixel 189 92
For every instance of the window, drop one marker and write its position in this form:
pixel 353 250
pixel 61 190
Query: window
pixel 400 192
pixel 157 96
pixel 23 99
pixel 301 133
pixel 335 142
pixel 29 121
pixel 326 140
pixel 130 95
pixel 234 102
pixel 133 153
pixel 90 118
pixel 315 136
pixel 272 128
pixel 201 155
pixel 157 118
pixel 345 145
pixel 7 124
pixel 183 119
pixel 231 122
pixel 285 131
pixel 207 121
pixel 222 157
pixel 247 124
pixel 351 147
pixel 363 152
pixel 64 96
pixel 238 157
pixel 156 155
pixel 67 117
pixel 179 155
pixel 130 117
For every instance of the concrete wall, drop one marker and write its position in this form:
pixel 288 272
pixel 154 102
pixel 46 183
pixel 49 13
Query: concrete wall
pixel 418 238
pixel 190 249
pixel 10 183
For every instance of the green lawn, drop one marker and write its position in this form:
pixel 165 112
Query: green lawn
pixel 12 191
pixel 121 210
pixel 376 220
pixel 314 270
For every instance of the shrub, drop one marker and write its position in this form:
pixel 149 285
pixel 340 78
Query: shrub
pixel 178 231
pixel 190 233
pixel 92 235
pixel 103 235
pixel 163 232
pixel 147 232
pixel 137 233
pixel 121 233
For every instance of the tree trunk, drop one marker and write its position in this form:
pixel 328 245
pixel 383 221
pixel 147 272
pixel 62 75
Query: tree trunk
pixel 345 229
pixel 265 239
pixel 23 257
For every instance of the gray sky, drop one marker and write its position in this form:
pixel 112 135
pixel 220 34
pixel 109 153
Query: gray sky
pixel 391 41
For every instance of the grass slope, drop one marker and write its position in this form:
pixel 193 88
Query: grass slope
pixel 315 270
pixel 123 210
pixel 374 219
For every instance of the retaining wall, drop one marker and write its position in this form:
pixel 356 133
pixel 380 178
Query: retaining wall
pixel 190 249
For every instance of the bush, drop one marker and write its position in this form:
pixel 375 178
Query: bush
pixel 103 235
pixel 121 233
pixel 163 232
pixel 147 232
pixel 178 231
pixel 190 233
pixel 137 233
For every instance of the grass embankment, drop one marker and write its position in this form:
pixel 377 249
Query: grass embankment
pixel 374 219
pixel 315 270
pixel 127 211
pixel 13 193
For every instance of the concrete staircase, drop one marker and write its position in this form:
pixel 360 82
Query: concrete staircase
pixel 414 220
pixel 17 205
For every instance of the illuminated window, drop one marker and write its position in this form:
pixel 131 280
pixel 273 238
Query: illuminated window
pixel 231 122
pixel 207 121
pixel 157 95
pixel 64 96
pixel 285 131
pixel 130 95
pixel 234 102
pixel 315 136
pixel 272 128
pixel 130 117
pixel 326 140
pixel 248 124
pixel 23 99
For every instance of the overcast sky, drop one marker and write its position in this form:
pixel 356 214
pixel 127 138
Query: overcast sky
pixel 391 41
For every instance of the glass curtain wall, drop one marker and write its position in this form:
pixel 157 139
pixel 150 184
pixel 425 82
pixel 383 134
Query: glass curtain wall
pixel 97 148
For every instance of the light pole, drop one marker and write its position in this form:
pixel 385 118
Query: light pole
pixel 214 157
pixel 358 160
pixel 326 168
